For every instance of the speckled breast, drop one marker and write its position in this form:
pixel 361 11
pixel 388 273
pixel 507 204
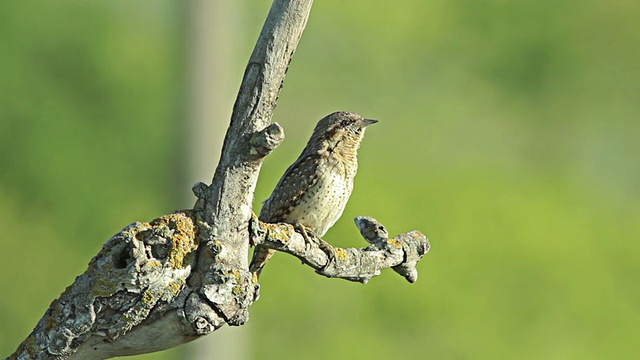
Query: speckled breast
pixel 324 203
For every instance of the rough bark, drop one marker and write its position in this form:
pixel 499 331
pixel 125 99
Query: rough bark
pixel 400 253
pixel 156 285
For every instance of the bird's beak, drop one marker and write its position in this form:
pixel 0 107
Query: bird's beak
pixel 367 122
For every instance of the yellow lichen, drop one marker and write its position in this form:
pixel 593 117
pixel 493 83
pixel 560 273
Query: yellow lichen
pixel 175 287
pixel 276 233
pixel 149 298
pixel 395 242
pixel 184 238
pixel 342 254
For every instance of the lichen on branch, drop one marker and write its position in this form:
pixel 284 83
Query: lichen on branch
pixel 141 269
pixel 401 253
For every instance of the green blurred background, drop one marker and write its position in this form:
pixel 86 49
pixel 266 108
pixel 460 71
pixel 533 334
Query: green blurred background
pixel 508 134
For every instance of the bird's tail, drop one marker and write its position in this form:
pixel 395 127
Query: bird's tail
pixel 260 257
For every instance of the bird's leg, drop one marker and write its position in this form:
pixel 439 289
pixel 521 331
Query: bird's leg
pixel 328 249
pixel 302 230
pixel 323 245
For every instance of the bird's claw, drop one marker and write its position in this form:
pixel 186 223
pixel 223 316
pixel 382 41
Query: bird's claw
pixel 322 245
pixel 328 249
pixel 302 230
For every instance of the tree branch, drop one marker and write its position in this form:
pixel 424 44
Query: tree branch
pixel 401 253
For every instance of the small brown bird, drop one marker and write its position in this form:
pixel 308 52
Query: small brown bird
pixel 315 189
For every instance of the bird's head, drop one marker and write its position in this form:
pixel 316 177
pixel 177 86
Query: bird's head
pixel 340 131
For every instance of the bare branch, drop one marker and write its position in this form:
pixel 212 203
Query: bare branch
pixel 138 276
pixel 224 208
pixel 402 253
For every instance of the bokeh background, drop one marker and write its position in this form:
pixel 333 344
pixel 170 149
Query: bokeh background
pixel 509 134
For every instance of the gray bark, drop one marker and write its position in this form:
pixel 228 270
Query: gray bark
pixel 401 253
pixel 156 285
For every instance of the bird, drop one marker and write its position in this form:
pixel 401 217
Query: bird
pixel 314 190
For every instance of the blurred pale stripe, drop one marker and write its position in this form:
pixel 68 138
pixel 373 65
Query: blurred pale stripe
pixel 212 30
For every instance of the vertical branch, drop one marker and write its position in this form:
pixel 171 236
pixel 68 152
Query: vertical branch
pixel 225 206
pixel 228 201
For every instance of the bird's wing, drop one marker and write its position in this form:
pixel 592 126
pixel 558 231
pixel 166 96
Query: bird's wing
pixel 295 182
